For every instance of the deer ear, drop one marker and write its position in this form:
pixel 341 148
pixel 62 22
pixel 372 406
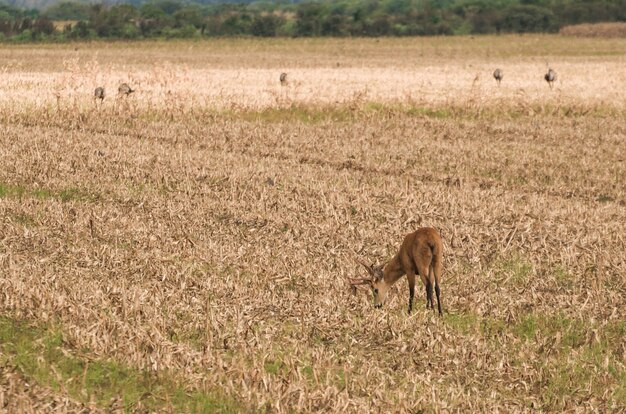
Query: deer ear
pixel 378 272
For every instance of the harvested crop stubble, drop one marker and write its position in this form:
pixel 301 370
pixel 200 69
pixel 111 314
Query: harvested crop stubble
pixel 209 245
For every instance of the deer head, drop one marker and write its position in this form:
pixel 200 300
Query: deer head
pixel 375 281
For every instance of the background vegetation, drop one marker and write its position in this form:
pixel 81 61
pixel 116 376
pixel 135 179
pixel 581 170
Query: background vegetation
pixel 168 18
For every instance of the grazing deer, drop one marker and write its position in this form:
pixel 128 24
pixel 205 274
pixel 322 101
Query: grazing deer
pixel 283 78
pixel 421 253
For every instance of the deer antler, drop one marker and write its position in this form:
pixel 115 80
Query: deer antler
pixel 370 269
pixel 354 282
pixel 359 281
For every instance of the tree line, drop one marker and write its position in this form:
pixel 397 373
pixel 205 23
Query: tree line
pixel 175 19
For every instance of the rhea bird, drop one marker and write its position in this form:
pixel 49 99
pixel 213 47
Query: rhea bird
pixel 98 94
pixel 124 89
pixel 550 77
pixel 283 78
pixel 498 75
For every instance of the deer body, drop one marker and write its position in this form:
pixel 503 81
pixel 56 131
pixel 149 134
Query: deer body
pixel 421 253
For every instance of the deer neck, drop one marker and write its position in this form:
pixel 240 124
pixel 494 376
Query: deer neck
pixel 393 271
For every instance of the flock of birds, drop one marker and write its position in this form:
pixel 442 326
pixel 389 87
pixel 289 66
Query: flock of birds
pixel 125 90
pixel 122 90
pixel 550 76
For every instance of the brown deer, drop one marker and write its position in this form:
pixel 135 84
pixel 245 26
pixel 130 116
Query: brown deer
pixel 421 253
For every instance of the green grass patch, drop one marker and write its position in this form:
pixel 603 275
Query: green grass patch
pixel 307 115
pixel 620 393
pixel 440 113
pixel 7 190
pixel 24 219
pixel 516 180
pixel 273 367
pixel 526 327
pixel 65 195
pixel 470 323
pixel 463 322
pixel 70 194
pixel 572 333
pixel 38 352
pixel 492 327
pixel 41 193
pixel 351 111
pixel 308 373
pixel 340 378
pixel 575 363
pixel 573 376
pixel 195 338
pixel 514 270
pixel 493 173
pixel 603 198
pixel 563 278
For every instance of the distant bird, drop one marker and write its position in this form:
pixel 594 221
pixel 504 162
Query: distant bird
pixel 283 78
pixel 99 94
pixel 124 89
pixel 550 77
pixel 498 75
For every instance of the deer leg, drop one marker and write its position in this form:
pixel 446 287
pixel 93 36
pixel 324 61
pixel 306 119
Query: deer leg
pixel 432 282
pixel 429 295
pixel 429 292
pixel 423 272
pixel 411 277
pixel 437 268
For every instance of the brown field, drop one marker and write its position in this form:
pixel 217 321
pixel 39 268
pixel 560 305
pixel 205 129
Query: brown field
pixel 617 29
pixel 186 249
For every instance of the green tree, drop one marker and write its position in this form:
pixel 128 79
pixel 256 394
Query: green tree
pixel 190 15
pixel 309 18
pixel 528 18
pixel 266 25
pixel 68 11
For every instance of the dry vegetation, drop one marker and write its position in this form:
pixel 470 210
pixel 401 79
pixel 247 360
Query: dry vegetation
pixel 186 248
pixel 605 30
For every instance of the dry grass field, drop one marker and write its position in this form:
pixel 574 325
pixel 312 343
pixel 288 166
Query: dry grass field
pixel 605 30
pixel 186 249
